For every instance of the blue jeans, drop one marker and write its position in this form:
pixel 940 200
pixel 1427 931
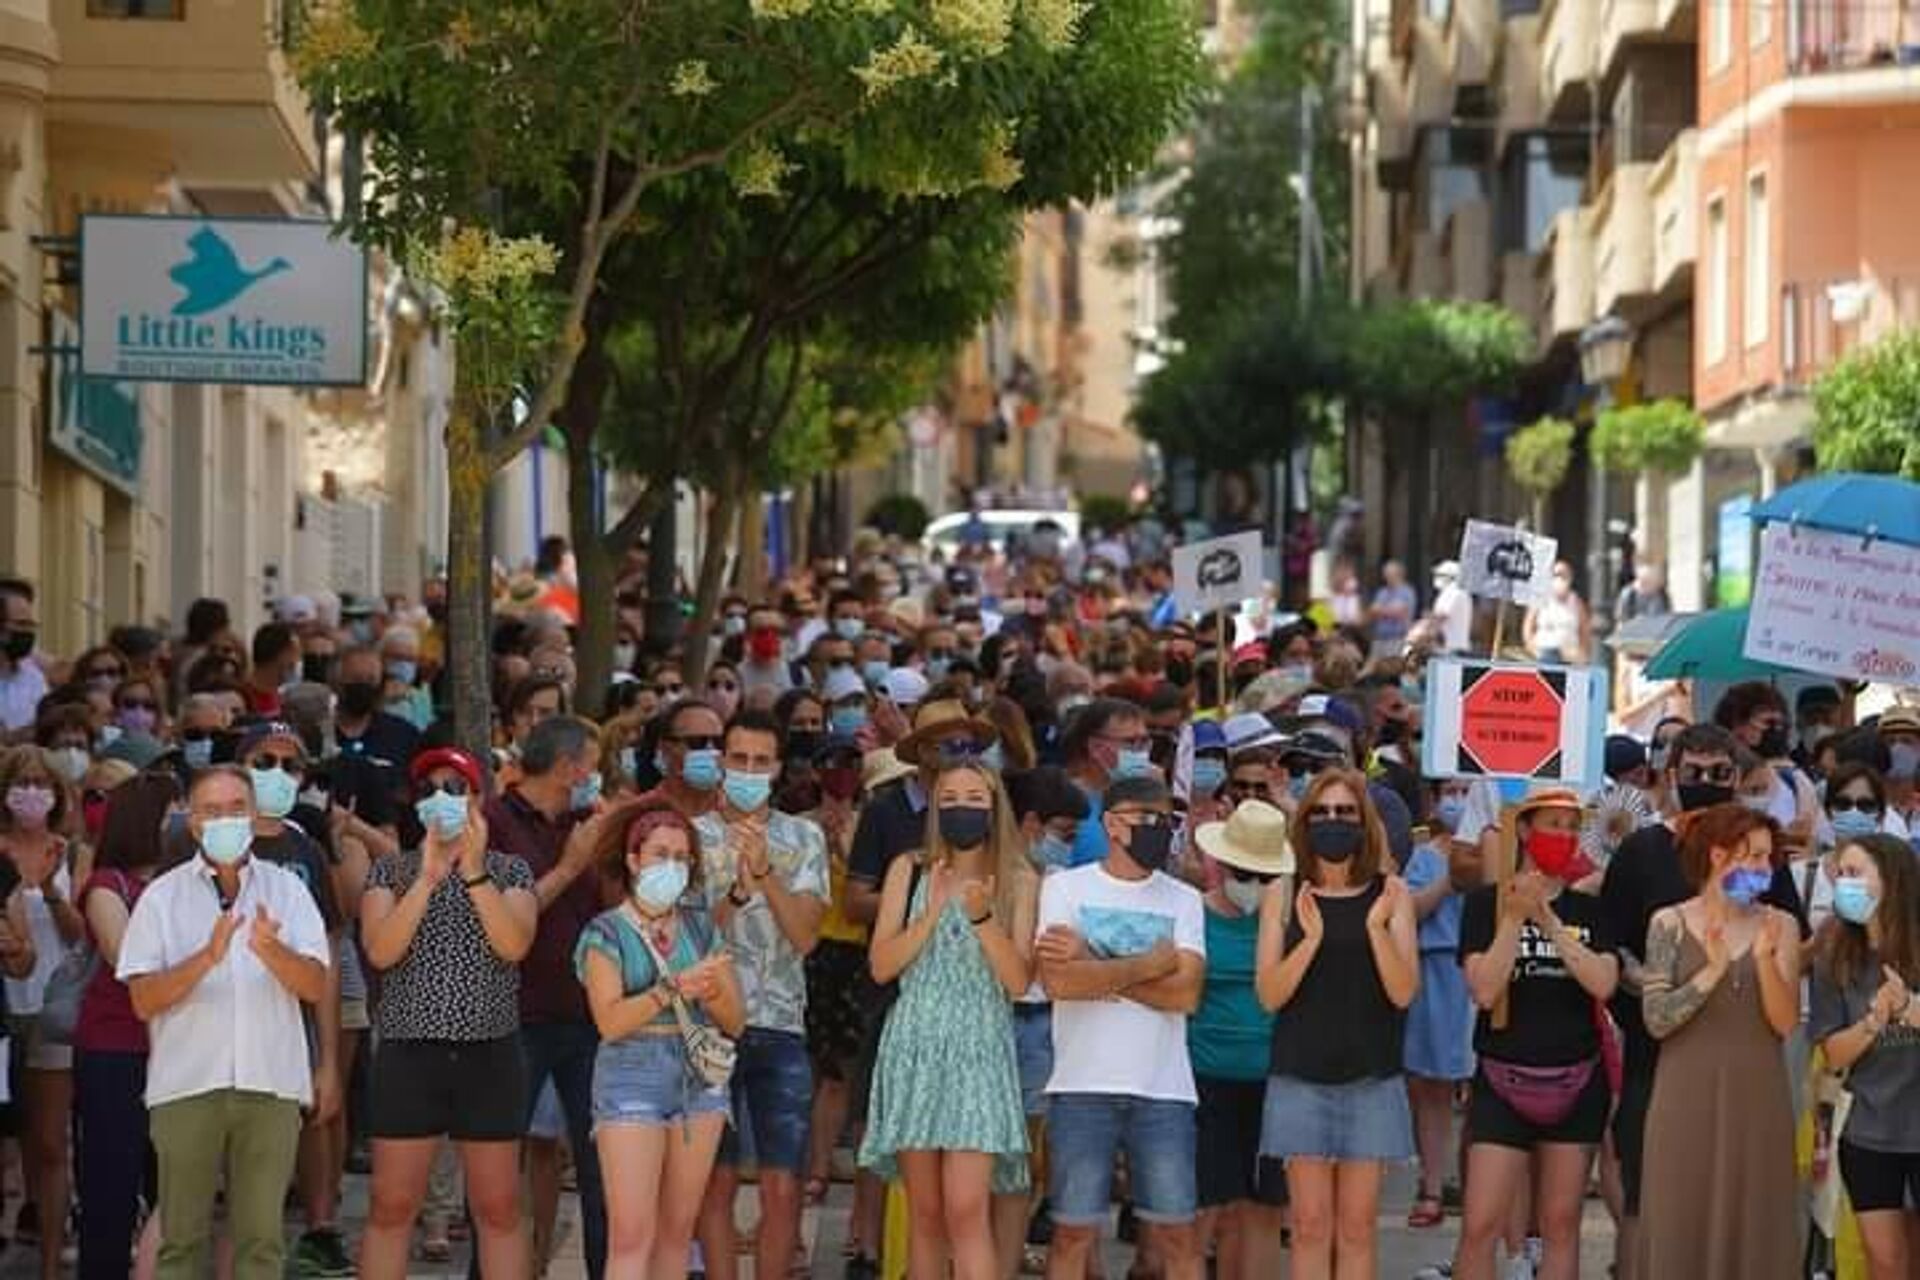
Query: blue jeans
pixel 773 1096
pixel 1085 1130
pixel 564 1052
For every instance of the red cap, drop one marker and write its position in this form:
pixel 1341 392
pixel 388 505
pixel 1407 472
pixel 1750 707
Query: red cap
pixel 447 758
pixel 1251 651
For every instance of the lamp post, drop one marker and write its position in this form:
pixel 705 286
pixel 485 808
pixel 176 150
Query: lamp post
pixel 1606 348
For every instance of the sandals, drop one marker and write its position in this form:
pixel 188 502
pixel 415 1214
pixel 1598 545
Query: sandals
pixel 1426 1213
pixel 816 1190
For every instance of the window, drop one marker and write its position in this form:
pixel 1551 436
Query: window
pixel 1756 286
pixel 1759 22
pixel 1716 295
pixel 1719 33
pixel 136 8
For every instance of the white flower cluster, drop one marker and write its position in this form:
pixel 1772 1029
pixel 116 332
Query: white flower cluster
pixel 780 10
pixel 691 79
pixel 909 57
pixel 475 262
pixel 977 27
pixel 761 170
pixel 1054 23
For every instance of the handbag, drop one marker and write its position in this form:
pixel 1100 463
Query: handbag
pixel 1542 1096
pixel 710 1054
pixel 59 1015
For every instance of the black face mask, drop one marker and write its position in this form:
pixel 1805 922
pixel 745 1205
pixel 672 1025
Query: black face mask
pixel 1180 672
pixel 359 698
pixel 1392 732
pixel 19 645
pixel 1773 742
pixel 315 667
pixel 1150 847
pixel 802 744
pixel 964 828
pixel 1335 840
pixel 1702 795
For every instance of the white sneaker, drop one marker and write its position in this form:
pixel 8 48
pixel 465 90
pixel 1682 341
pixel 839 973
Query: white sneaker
pixel 1520 1268
pixel 1438 1271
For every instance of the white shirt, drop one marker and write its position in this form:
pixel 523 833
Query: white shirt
pixel 238 1028
pixel 20 694
pixel 1454 608
pixel 26 995
pixel 1118 1045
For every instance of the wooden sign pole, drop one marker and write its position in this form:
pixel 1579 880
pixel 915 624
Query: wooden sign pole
pixel 1506 858
pixel 1225 643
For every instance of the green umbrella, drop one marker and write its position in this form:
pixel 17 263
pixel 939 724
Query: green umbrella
pixel 1711 647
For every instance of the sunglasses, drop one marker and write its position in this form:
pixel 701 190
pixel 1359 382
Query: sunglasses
pixel 105 673
pixel 954 750
pixel 1245 790
pixel 669 690
pixel 139 704
pixel 455 786
pixel 1691 773
pixel 1254 877
pixel 1146 821
pixel 198 735
pixel 1855 804
pixel 722 686
pixel 1335 812
pixel 700 741
pixel 267 760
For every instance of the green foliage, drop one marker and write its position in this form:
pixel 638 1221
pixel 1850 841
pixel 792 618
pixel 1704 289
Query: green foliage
pixel 1867 409
pixel 1414 358
pixel 900 514
pixel 1539 456
pixel 1105 511
pixel 1659 435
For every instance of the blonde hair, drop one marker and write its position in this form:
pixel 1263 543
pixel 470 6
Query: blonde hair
pixel 1006 851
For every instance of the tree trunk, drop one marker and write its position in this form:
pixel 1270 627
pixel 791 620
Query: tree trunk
pixel 578 419
pixel 706 597
pixel 1539 513
pixel 469 583
pixel 753 545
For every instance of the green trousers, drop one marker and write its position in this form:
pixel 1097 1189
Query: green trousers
pixel 250 1137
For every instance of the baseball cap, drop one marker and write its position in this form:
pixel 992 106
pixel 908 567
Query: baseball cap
pixel 1250 732
pixel 446 758
pixel 296 610
pixel 1335 711
pixel 1315 746
pixel 263 731
pixel 1208 735
pixel 904 687
pixel 1624 755
pixel 1447 571
pixel 843 682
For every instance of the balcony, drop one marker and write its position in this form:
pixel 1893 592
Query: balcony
pixel 1520 286
pixel 1622 220
pixel 208 93
pixel 1847 35
pixel 1673 187
pixel 1629 22
pixel 1564 277
pixel 1468 249
pixel 1569 49
pixel 1473 35
pixel 1822 321
pixel 1429 75
pixel 1519 80
pixel 1392 129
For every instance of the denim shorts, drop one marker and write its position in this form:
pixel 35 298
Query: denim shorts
pixel 1086 1130
pixel 1363 1120
pixel 1033 1047
pixel 643 1080
pixel 773 1097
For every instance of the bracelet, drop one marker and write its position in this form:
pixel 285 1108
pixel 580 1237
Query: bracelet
pixel 475 881
pixel 982 918
pixel 733 896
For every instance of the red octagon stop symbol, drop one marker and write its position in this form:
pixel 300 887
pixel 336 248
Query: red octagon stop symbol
pixel 1510 722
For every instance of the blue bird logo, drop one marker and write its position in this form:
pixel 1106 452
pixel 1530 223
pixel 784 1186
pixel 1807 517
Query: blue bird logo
pixel 212 277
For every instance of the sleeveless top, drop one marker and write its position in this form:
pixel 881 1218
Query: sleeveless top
pixel 1339 1027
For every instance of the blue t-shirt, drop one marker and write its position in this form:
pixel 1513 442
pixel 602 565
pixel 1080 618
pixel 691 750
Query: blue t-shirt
pixel 1440 931
pixel 1230 1037
pixel 1090 841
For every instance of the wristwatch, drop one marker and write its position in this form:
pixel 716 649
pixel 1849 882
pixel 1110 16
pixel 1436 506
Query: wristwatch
pixel 982 918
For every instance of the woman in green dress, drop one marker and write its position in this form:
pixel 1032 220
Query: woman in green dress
pixel 955 927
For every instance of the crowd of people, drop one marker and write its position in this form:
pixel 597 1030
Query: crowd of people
pixel 1041 900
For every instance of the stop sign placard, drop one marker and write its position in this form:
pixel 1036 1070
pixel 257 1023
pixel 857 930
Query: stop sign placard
pixel 1510 722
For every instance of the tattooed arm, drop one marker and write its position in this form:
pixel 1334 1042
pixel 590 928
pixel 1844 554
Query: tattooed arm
pixel 1665 1002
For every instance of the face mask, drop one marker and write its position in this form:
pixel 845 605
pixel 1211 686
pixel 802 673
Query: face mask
pixel 135 719
pixel 623 656
pixel 802 745
pixel 1297 786
pixel 629 762
pixel 29 805
pixel 442 814
pixel 659 885
pixel 1450 811
pixel 1209 775
pixel 840 783
pixel 1150 847
pixel 1072 703
pixel 1554 852
pixel 197 752
pixel 1853 901
pixel 274 792
pixel 1128 762
pixel 403 671
pixel 849 628
pixel 994 758
pixel 847 721
pixel 964 828
pixel 700 769
pixel 226 840
pixel 1755 803
pixel 734 624
pixel 1393 731
pixel 1703 795
pixel 315 667
pixel 1180 672
pixel 1904 761
pixel 93 813
pixel 1243 894
pixel 874 673
pixel 19 645
pixel 584 793
pixel 1851 824
pixel 1052 851
pixel 937 669
pixel 359 698
pixel 71 763
pixel 1335 840
pixel 748 792
pixel 1773 742
pixel 1744 885
pixel 764 645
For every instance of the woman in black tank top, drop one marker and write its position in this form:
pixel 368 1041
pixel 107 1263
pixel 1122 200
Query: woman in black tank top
pixel 1339 975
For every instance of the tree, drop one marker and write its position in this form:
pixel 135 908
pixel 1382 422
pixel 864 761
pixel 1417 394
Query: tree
pixel 1538 458
pixel 1658 435
pixel 1867 409
pixel 481 113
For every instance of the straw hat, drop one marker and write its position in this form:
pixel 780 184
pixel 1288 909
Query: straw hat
pixel 1548 798
pixel 879 767
pixel 937 719
pixel 1253 838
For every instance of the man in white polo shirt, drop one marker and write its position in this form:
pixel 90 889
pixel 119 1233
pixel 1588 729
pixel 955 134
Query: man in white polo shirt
pixel 219 955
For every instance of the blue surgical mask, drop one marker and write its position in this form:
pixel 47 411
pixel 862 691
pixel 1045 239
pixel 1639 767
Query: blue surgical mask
pixel 584 793
pixel 226 840
pixel 274 792
pixel 1853 901
pixel 849 628
pixel 748 792
pixel 1209 775
pixel 847 721
pixel 701 769
pixel 735 624
pixel 1052 851
pixel 444 815
pixel 197 752
pixel 659 885
pixel 874 673
pixel 1450 810
pixel 1903 761
pixel 994 758
pixel 1297 786
pixel 1851 824
pixel 937 669
pixel 403 671
pixel 630 762
pixel 1744 885
pixel 1130 762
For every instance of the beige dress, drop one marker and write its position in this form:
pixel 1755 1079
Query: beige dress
pixel 1717 1199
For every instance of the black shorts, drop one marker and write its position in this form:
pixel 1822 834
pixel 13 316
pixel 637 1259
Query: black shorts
pixel 1491 1120
pixel 468 1090
pixel 1878 1181
pixel 1228 1166
pixel 838 990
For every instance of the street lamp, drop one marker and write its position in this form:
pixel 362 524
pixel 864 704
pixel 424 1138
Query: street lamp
pixel 1606 348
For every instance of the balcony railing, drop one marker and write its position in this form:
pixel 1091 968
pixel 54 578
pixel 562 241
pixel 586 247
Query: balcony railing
pixel 1841 35
pixel 1822 321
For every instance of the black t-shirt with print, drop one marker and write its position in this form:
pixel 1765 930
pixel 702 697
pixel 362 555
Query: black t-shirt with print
pixel 301 854
pixel 1550 1016
pixel 450 984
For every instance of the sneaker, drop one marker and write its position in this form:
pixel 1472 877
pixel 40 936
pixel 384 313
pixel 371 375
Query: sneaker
pixel 321 1253
pixel 1438 1271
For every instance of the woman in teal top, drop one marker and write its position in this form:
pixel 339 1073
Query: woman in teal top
pixel 656 1125
pixel 1243 1195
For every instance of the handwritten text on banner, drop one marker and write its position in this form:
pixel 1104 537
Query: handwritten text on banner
pixel 1836 604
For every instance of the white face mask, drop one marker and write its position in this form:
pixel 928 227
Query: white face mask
pixel 1243 894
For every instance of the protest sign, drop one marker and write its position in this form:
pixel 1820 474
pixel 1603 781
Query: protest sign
pixel 1218 573
pixel 1836 604
pixel 1515 720
pixel 1500 562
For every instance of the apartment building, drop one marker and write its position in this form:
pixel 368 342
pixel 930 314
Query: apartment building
pixel 1541 154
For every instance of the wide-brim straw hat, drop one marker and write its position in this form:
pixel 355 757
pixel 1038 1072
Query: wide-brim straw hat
pixel 1253 839
pixel 935 720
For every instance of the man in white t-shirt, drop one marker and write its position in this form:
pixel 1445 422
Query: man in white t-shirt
pixel 1452 607
pixel 1122 952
